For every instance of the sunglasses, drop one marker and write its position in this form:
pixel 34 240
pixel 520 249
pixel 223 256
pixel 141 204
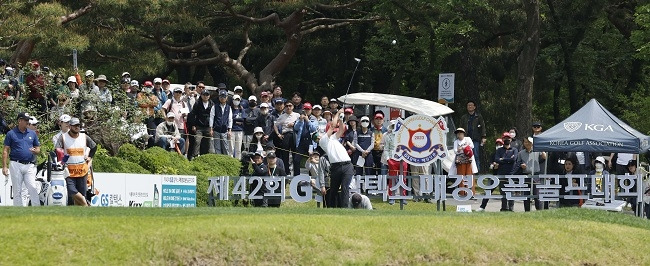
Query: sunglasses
pixel 537 126
pixel 200 87
pixel 178 92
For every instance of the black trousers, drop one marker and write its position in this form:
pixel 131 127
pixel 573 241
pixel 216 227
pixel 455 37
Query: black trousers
pixel 340 177
pixel 506 205
pixel 288 146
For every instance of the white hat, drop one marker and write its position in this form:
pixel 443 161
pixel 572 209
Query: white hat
pixel 125 73
pixel 317 107
pixel 101 78
pixel 171 114
pixel 530 139
pixel 178 89
pixel 600 159
pixel 238 88
pixel 65 118
pixel 72 79
pixel 135 83
pixel 264 105
pixel 33 120
pixel 157 80
pixel 258 130
pixel 252 98
pixel 236 97
pixel 90 73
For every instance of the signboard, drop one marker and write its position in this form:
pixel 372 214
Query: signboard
pixel 7 197
pixel 446 87
pixel 143 191
pixel 420 140
pixel 111 190
pixel 178 191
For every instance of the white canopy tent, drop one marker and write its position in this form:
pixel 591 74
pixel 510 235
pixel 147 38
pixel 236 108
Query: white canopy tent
pixel 413 105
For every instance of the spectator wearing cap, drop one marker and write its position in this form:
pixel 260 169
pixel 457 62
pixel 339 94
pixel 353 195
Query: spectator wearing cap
pixel 378 131
pixel 277 95
pixel 324 101
pixel 76 144
pixel 303 130
pixel 529 163
pixel 89 87
pixel 239 120
pixel 358 201
pixel 162 98
pixel 125 85
pixel 319 169
pixel 73 87
pixel 317 117
pixel 284 129
pixel 33 124
pixel 201 120
pixel 251 113
pixel 36 84
pixel 166 88
pixel 275 168
pixel 632 170
pixel 8 89
pixel 259 169
pixel 259 142
pixel 147 103
pixel 64 125
pixel 350 140
pixel 134 89
pixel 266 121
pixel 474 124
pixel 347 113
pixel 505 159
pixel 21 145
pixel 126 76
pixel 537 128
pixel 464 165
pixel 333 105
pixel 265 97
pixel 621 160
pixel 278 105
pixel 58 88
pixel 178 106
pixel 327 115
pixel 168 135
pixel 105 95
pixel 296 99
pixel 222 122
pixel 364 145
pixel 239 90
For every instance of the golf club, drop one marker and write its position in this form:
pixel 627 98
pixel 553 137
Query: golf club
pixel 351 79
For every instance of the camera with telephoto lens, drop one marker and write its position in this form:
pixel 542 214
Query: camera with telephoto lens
pixel 245 162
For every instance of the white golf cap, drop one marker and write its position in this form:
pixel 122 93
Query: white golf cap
pixel 236 97
pixel 33 120
pixel 258 130
pixel 90 73
pixel 252 98
pixel 171 114
pixel 238 88
pixel 72 79
pixel 178 89
pixel 65 118
pixel 365 118
pixel 318 107
pixel 135 83
pixel 264 105
pixel 157 80
pixel 600 159
pixel 126 73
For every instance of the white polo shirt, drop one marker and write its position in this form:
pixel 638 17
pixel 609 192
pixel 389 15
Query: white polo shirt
pixel 334 149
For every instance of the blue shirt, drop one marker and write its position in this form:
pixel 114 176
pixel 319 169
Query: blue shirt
pixel 20 143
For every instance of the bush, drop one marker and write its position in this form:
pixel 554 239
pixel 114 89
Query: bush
pixel 108 164
pixel 160 161
pixel 208 166
pixel 130 153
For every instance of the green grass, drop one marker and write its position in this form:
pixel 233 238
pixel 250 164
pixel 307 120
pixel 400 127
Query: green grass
pixel 297 234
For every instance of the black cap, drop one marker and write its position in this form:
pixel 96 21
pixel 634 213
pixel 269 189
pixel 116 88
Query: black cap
pixel 24 116
pixel 221 86
pixel 279 100
pixel 537 124
pixel 205 92
pixel 2 62
pixel 631 162
pixel 353 118
pixel 270 155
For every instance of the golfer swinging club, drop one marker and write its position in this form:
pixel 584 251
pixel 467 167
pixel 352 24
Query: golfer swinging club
pixel 341 170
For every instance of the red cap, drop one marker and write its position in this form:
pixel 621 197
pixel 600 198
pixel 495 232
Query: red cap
pixel 264 93
pixel 148 83
pixel 379 115
pixel 348 110
pixel 506 135
pixel 307 106
pixel 35 64
pixel 166 81
pixel 500 141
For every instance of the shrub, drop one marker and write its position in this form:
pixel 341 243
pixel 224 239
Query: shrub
pixel 108 164
pixel 130 153
pixel 160 161
pixel 211 165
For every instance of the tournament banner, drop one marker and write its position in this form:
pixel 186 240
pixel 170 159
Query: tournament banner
pixel 178 191
pixel 420 140
pixel 111 190
pixel 139 190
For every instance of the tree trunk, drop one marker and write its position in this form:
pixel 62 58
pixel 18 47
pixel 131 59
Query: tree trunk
pixel 526 65
pixel 23 52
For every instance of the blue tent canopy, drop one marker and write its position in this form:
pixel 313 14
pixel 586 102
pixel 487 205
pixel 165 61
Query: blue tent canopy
pixel 592 129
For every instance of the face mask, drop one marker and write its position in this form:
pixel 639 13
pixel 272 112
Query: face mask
pixel 506 142
pixel 252 104
pixel 169 123
pixel 258 136
pixel 236 103
pixel 513 134
pixel 365 124
pixel 264 112
pixel 499 146
pixel 599 167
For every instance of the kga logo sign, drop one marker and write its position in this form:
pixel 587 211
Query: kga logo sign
pixel 573 126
